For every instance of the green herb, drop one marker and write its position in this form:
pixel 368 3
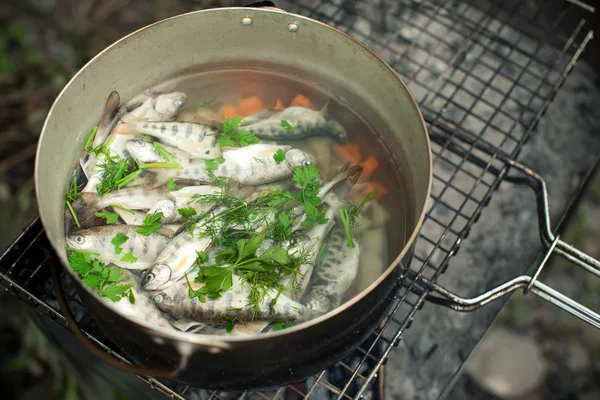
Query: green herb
pixel 204 105
pixel 213 165
pixel 110 217
pixel 90 138
pixel 186 212
pixel 127 179
pixel 161 165
pixel 279 156
pixel 118 240
pixel 151 224
pixel 114 174
pixel 201 258
pixel 130 296
pixel 231 321
pixel 164 153
pixel 314 216
pixel 171 184
pixel 282 228
pixel 99 278
pixel 280 325
pixel 231 134
pixel 129 210
pixel 71 195
pixel 129 257
pixel 348 216
pixel 93 253
pixel 286 125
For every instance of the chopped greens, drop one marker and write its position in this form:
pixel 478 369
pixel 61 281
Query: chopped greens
pixel 118 240
pixel 110 217
pixel 72 195
pixel 151 224
pixel 348 216
pixel 100 278
pixel 114 174
pixel 204 105
pixel 164 153
pixel 186 212
pixel 127 179
pixel 129 257
pixel 286 125
pixel 172 185
pixel 232 135
pixel 279 156
pixel 161 165
pixel 231 321
pixel 90 138
pixel 130 211
pixel 213 165
pixel 280 325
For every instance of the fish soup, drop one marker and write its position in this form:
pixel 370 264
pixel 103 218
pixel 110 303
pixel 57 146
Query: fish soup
pixel 233 202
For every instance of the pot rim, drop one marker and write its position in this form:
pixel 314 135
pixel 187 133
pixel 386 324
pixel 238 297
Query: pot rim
pixel 222 341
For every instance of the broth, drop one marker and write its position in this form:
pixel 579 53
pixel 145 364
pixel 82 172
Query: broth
pixel 383 223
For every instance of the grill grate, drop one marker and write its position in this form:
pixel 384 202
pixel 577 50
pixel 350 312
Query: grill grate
pixel 490 68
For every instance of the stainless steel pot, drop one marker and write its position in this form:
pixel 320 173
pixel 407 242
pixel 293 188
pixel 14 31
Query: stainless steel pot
pixel 225 38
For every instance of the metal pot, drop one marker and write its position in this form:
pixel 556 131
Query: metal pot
pixel 228 37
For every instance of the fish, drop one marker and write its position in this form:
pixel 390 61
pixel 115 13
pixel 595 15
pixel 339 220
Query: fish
pixel 168 210
pixel 175 300
pixel 304 121
pixel 198 140
pixel 98 240
pixel 143 309
pixel 174 261
pixel 334 273
pixel 134 198
pixel 250 165
pixel 144 152
pixel 247 328
pixel 163 107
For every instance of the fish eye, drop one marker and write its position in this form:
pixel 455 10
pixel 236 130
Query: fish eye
pixel 178 103
pixel 79 239
pixel 306 163
pixel 149 277
pixel 140 142
pixel 159 298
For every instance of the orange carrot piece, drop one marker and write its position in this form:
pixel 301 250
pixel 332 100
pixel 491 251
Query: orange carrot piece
pixel 229 112
pixel 302 101
pixel 369 166
pixel 346 153
pixel 279 106
pixel 370 186
pixel 251 105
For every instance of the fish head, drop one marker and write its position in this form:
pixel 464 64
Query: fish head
pixel 167 208
pixel 86 240
pixel 157 277
pixel 169 104
pixel 336 131
pixel 142 151
pixel 299 158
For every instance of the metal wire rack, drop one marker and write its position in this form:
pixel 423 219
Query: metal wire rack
pixel 483 74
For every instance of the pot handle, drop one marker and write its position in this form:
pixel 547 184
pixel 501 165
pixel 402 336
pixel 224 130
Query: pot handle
pixel 113 361
pixel 529 283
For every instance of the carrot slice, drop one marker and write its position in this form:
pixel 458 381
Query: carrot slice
pixel 251 105
pixel 370 186
pixel 369 166
pixel 279 106
pixel 348 152
pixel 229 112
pixel 302 101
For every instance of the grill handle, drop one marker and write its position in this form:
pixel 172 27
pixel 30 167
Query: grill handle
pixel 92 347
pixel 529 283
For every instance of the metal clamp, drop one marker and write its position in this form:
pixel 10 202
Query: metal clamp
pixel 528 283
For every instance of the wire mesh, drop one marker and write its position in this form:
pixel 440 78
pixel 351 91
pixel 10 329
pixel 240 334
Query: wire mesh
pixel 490 68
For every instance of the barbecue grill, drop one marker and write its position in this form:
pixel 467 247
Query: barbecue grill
pixel 483 74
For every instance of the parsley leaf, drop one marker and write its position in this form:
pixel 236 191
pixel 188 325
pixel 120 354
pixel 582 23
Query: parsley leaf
pixel 231 321
pixel 245 138
pixel 286 125
pixel 115 292
pixel 231 124
pixel 279 156
pixel 129 257
pixel 118 240
pixel 314 216
pixel 110 217
pixel 171 184
pixel 201 257
pixel 280 197
pixel 280 325
pixel 151 224
pixel 213 165
pixel 230 135
pixel 186 212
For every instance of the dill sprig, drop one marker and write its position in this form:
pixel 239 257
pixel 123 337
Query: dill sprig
pixel 71 195
pixel 348 216
pixel 116 172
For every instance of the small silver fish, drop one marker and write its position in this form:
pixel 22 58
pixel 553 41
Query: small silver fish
pixel 98 240
pixel 176 301
pixel 144 152
pixel 304 121
pixel 163 107
pixel 250 165
pixel 135 198
pixel 174 261
pixel 334 273
pixel 196 139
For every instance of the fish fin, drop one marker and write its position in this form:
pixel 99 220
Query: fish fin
pixel 324 111
pixel 170 230
pixel 104 124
